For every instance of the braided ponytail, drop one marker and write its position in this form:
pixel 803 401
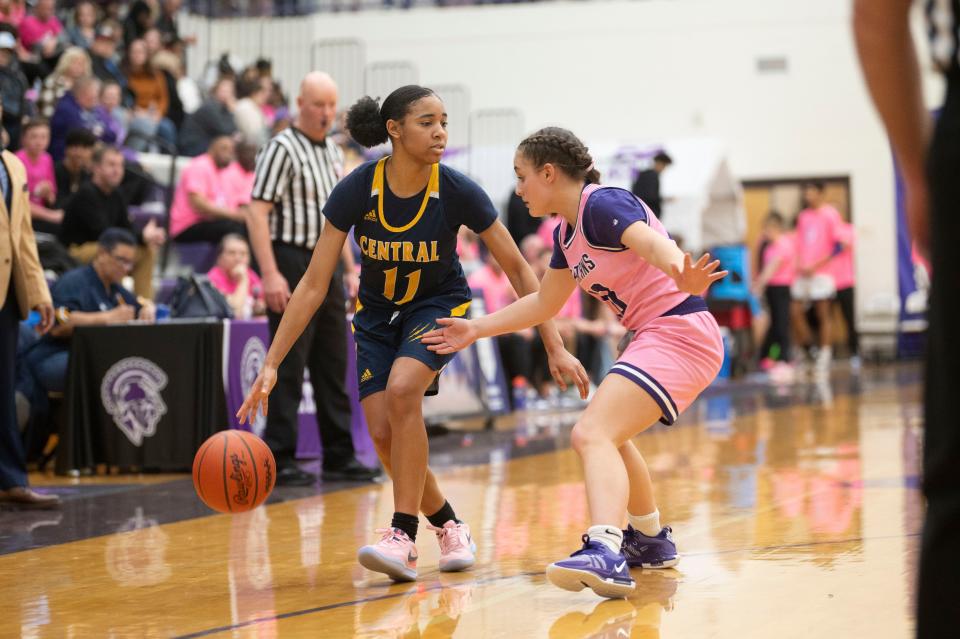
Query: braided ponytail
pixel 562 149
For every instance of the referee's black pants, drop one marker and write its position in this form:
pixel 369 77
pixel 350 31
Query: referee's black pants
pixel 323 349
pixel 938 597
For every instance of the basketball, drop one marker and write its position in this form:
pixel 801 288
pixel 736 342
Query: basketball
pixel 234 471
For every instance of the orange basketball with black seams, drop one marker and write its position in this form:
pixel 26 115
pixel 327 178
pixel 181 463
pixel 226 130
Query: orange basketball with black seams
pixel 234 471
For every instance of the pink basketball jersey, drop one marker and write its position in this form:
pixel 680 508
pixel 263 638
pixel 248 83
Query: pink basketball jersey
pixel 634 289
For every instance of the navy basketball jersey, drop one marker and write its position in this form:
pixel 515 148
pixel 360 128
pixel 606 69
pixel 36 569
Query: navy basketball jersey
pixel 408 245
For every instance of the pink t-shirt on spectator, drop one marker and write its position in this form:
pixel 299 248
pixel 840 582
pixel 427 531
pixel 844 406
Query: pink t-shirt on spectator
pixel 33 30
pixel 200 176
pixel 545 230
pixel 240 183
pixel 784 250
pixel 817 237
pixel 227 286
pixel 842 264
pixel 497 290
pixel 38 172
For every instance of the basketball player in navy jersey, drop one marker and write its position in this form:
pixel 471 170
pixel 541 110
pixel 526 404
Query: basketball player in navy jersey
pixel 405 211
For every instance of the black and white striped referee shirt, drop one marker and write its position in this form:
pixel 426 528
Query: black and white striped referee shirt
pixel 296 174
pixel 943 29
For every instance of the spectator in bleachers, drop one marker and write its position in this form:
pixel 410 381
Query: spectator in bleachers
pixel 12 11
pixel 41 31
pixel 249 116
pixel 213 119
pixel 73 65
pixel 151 99
pixel 89 295
pixel 533 248
pixel 75 110
pixel 186 88
pixel 205 205
pixel 103 54
pixel 153 41
pixel 41 181
pixel 241 173
pixel 13 87
pixel 139 19
pixel 110 111
pixel 166 23
pixel 97 206
pixel 82 32
pixel 74 169
pixel 233 277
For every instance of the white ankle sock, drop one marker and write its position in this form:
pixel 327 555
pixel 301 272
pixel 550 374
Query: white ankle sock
pixel 609 536
pixel 649 525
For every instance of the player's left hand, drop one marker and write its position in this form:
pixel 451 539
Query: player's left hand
pixel 351 284
pixel 454 334
pixel 564 366
pixel 697 276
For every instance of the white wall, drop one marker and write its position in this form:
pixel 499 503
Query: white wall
pixel 647 71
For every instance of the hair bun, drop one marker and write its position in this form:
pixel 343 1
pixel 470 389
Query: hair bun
pixel 365 123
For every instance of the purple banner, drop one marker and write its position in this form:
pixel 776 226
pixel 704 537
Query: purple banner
pixel 247 347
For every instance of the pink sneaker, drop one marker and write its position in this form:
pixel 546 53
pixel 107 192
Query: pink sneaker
pixel 394 555
pixel 456 546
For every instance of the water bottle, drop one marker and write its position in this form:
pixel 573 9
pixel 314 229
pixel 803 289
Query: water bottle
pixel 519 384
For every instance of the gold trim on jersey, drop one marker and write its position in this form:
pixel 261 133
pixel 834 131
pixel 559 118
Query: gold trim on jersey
pixel 433 190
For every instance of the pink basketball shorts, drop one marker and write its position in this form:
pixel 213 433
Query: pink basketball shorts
pixel 674 358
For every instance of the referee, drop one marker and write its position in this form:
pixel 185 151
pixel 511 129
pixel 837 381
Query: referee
pixel 294 176
pixel 930 167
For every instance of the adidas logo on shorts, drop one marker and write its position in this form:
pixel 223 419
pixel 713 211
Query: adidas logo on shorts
pixel 367 376
pixel 371 216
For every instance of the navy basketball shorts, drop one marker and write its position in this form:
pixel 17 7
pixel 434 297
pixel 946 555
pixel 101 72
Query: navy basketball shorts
pixel 383 335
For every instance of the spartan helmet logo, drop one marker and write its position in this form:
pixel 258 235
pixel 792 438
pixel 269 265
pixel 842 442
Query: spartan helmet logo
pixel 251 361
pixel 130 392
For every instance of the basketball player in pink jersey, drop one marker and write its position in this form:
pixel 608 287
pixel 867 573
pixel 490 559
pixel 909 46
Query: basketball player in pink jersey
pixel 613 246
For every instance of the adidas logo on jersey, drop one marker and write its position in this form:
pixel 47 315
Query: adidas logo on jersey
pixel 371 216
pixel 367 376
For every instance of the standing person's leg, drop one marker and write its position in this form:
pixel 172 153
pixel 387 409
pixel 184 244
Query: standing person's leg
pixel 13 464
pixel 598 437
pixel 282 426
pixel 778 298
pixel 798 324
pixel 845 298
pixel 327 361
pixel 939 584
pixel 667 365
pixel 396 553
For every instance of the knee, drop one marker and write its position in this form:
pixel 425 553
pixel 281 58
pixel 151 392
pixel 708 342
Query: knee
pixel 403 399
pixel 585 435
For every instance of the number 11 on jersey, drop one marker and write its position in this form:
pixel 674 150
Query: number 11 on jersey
pixel 390 285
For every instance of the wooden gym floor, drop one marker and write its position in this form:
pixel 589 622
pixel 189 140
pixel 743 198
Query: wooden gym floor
pixel 797 511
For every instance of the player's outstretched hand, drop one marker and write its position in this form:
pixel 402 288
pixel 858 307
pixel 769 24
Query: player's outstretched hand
pixel 259 392
pixel 454 334
pixel 564 366
pixel 697 276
